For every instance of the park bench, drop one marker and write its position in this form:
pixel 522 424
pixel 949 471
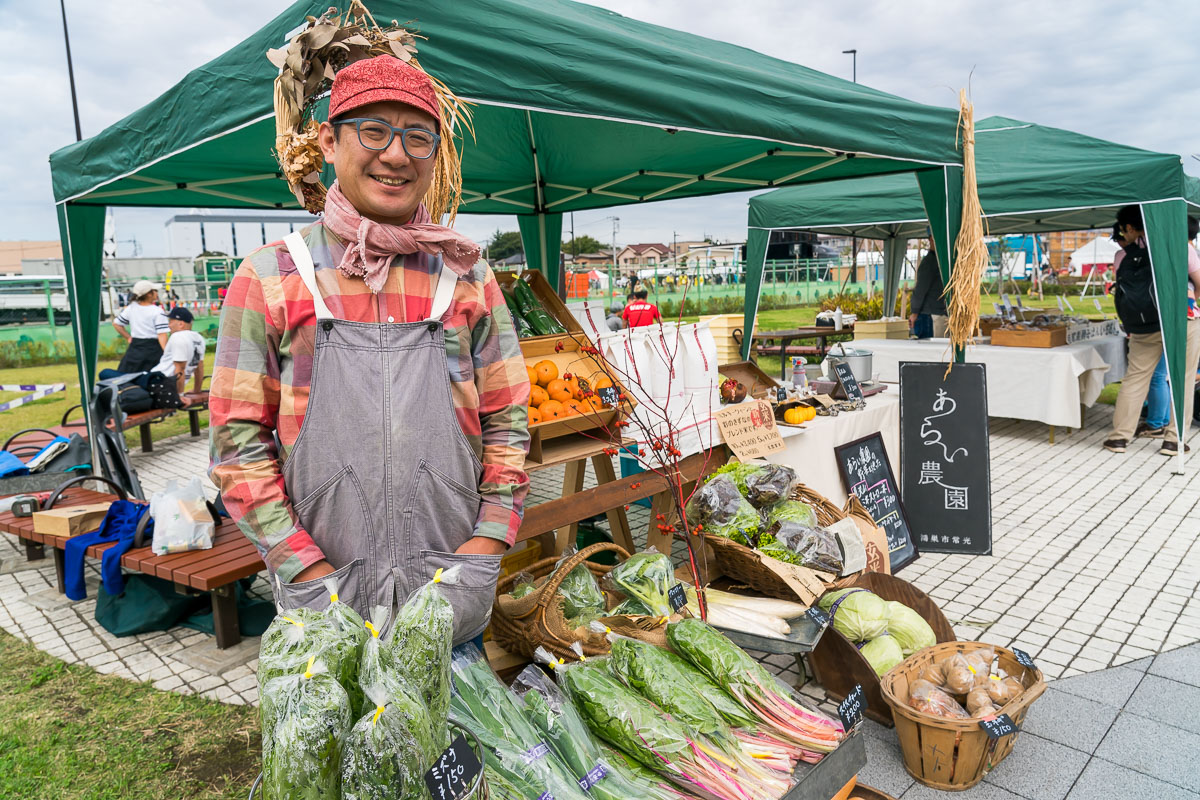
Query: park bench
pixel 195 402
pixel 777 350
pixel 214 571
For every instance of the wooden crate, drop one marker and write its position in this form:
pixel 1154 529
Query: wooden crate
pixel 988 326
pixel 881 329
pixel 722 327
pixel 1048 337
pixel 757 382
pixel 839 666
pixel 549 299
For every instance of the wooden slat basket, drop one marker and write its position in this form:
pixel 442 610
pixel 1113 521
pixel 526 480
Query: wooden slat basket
pixel 954 754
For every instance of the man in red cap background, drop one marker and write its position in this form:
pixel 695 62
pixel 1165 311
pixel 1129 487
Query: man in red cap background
pixel 368 405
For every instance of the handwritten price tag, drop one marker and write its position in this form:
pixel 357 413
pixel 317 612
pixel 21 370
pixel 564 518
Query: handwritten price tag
pixel 749 429
pixel 999 726
pixel 818 617
pixel 677 597
pixel 608 395
pixel 454 771
pixel 1024 659
pixel 853 708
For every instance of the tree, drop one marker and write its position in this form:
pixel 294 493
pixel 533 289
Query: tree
pixel 504 244
pixel 582 244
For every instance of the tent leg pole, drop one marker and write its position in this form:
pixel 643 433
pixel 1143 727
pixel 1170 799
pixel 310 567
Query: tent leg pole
pixel 1051 434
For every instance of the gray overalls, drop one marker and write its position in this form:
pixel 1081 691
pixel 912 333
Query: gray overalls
pixel 382 476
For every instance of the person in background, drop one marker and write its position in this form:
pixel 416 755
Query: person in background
pixel 613 320
pixel 927 300
pixel 641 311
pixel 183 356
pixel 144 327
pixel 1137 309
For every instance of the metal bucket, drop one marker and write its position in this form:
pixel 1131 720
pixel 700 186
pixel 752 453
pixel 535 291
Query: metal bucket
pixel 859 361
pixel 478 790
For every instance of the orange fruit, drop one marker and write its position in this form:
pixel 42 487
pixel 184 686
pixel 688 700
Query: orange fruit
pixel 532 373
pixel 558 385
pixel 535 416
pixel 562 395
pixel 537 396
pixel 551 409
pixel 546 371
pixel 573 407
pixel 601 382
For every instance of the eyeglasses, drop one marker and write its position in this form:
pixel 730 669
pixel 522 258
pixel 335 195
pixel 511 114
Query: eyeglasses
pixel 375 134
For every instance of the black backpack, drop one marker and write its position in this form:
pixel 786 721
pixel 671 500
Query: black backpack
pixel 1134 295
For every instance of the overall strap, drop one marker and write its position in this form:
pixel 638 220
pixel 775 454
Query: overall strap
pixel 304 265
pixel 444 294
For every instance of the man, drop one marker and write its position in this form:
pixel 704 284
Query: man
pixel 613 320
pixel 369 400
pixel 927 299
pixel 183 356
pixel 641 312
pixel 1137 307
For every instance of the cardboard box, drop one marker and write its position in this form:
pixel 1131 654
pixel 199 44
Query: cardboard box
pixel 881 329
pixel 747 373
pixel 70 520
pixel 1048 337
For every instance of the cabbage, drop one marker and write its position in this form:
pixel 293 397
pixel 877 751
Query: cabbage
pixel 861 616
pixel 882 653
pixel 909 630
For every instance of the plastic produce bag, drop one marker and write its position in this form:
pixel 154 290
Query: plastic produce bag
pixel 790 511
pixel 909 629
pixel 290 640
pixel 857 614
pixel 182 520
pixel 382 758
pixel 882 653
pixel 770 484
pixel 721 509
pixel 929 699
pixel 524 584
pixel 524 330
pixel 630 608
pixel 963 672
pixel 347 649
pixel 305 719
pixel 532 310
pixel 645 577
pixel 580 593
pixel 815 548
pixel 404 698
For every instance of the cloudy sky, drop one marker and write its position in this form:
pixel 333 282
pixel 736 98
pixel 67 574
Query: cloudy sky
pixel 1123 71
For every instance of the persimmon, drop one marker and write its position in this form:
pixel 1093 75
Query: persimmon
pixel 601 382
pixel 573 407
pixel 546 371
pixel 537 395
pixel 535 416
pixel 532 373
pixel 562 395
pixel 551 409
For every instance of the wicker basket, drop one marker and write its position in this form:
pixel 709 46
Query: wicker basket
pixel 953 754
pixel 522 624
pixel 743 564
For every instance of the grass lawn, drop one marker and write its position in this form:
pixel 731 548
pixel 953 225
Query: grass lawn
pixel 68 733
pixel 48 411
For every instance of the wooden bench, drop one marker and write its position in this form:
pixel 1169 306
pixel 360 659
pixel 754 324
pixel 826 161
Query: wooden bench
pixel 214 571
pixel 195 402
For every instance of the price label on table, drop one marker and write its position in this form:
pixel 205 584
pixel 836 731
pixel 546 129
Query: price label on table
pixel 999 726
pixel 781 394
pixel 677 597
pixel 818 616
pixel 1024 659
pixel 454 771
pixel 608 395
pixel 853 708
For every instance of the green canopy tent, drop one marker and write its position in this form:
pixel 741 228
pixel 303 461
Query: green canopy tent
pixel 1031 179
pixel 575 107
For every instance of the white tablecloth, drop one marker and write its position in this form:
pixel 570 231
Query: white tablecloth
pixel 1043 384
pixel 809 451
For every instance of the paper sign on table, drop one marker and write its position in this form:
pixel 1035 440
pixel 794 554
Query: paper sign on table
pixel 749 429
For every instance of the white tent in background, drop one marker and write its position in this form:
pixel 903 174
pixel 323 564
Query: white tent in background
pixel 1098 252
pixel 597 275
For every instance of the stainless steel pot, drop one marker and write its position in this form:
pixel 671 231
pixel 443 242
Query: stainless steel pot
pixel 859 360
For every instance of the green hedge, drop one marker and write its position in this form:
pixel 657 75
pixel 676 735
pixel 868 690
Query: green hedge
pixel 729 304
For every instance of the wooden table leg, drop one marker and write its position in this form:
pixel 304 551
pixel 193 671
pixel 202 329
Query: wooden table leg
pixel 225 617
pixel 573 473
pixel 618 522
pixel 1051 434
pixel 147 445
pixel 194 422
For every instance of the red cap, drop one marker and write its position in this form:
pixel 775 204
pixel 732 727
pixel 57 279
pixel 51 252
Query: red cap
pixel 379 79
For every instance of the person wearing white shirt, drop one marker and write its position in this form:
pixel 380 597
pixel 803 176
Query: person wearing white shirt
pixel 144 327
pixel 183 356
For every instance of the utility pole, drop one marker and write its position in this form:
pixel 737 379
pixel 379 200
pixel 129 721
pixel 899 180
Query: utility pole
pixel 612 285
pixel 70 71
pixel 853 53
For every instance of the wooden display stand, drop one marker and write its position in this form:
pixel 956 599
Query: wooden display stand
pixel 1047 337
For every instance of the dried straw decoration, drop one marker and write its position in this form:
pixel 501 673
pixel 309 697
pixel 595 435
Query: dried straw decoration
pixel 970 251
pixel 306 70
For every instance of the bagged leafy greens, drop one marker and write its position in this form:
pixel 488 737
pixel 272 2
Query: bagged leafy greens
pixel 290 640
pixel 723 511
pixel 908 628
pixel 419 645
pixel 382 759
pixel 404 699
pixel 815 548
pixel 523 585
pixel 790 511
pixel 352 634
pixel 770 484
pixel 631 608
pixel 580 593
pixel 650 671
pixel 857 614
pixel 305 719
pixel 645 577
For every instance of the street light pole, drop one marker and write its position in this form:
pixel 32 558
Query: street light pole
pixel 70 71
pixel 853 53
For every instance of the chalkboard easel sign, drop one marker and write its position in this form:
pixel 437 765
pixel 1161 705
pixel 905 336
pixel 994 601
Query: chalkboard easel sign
pixel 945 463
pixel 847 388
pixel 867 473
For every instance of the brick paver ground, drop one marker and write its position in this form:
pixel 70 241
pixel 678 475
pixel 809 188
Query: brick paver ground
pixel 1095 570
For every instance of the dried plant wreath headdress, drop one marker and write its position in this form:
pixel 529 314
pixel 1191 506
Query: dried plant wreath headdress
pixel 307 67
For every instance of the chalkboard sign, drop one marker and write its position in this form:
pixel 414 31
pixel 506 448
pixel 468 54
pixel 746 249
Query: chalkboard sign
pixel 945 465
pixel 818 617
pixel 454 771
pixel 1024 659
pixel 999 726
pixel 677 597
pixel 853 708
pixel 847 388
pixel 867 473
pixel 608 395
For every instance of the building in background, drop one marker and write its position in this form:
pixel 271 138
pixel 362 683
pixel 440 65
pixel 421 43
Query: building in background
pixel 635 256
pixel 235 235
pixel 13 253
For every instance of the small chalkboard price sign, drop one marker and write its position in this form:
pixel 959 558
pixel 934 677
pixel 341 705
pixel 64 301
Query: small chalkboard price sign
pixel 608 395
pixel 847 388
pixel 867 473
pixel 999 726
pixel 853 708
pixel 454 771
pixel 818 617
pixel 677 597
pixel 1024 659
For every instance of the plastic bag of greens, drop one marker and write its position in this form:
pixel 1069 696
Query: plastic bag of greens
pixel 376 669
pixel 645 577
pixel 419 646
pixel 770 484
pixel 532 310
pixel 352 634
pixel 580 593
pixel 630 608
pixel 290 640
pixel 523 585
pixel 909 629
pixel 735 471
pixel 721 509
pixel 305 719
pixel 790 511
pixel 857 614
pixel 882 653
pixel 817 548
pixel 382 759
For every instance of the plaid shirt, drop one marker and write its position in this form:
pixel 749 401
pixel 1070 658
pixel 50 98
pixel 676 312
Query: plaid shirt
pixel 264 364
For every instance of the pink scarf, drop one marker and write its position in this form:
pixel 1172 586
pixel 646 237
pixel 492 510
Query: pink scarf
pixel 371 246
